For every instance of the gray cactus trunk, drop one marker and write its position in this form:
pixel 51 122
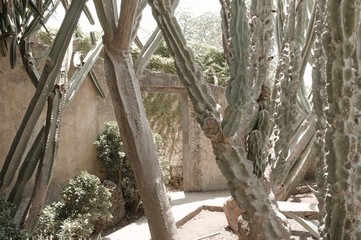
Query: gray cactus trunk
pixel 129 111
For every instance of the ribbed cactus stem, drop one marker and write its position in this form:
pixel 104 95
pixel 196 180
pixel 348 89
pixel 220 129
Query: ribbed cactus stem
pixel 339 39
pixel 286 117
pixel 290 109
pixel 44 89
pixel 261 25
pixel 239 92
pixel 318 93
pixel 241 116
pixel 357 105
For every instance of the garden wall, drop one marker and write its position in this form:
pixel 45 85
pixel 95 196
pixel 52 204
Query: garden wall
pixel 83 121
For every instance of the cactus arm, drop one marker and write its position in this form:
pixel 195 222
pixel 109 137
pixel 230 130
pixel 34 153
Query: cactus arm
pixel 264 220
pixel 29 62
pixel 310 37
pixel 238 92
pixel 190 73
pixel 38 21
pixel 318 93
pixel 279 26
pixel 45 87
pixel 81 72
pixel 147 51
pixel 88 14
pixel 37 150
pixel 258 139
pixel 42 181
pixel 151 46
pixel 289 105
pixel 106 15
pixel 261 25
pixel 95 81
pixel 27 169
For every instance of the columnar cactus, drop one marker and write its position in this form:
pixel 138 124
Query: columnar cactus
pixel 287 85
pixel 295 123
pixel 44 88
pixel 228 135
pixel 342 220
pixel 318 93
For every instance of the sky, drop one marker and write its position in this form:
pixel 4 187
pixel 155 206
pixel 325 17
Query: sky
pixel 195 7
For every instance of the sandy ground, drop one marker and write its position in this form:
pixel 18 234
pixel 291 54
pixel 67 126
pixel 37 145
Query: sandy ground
pixel 207 225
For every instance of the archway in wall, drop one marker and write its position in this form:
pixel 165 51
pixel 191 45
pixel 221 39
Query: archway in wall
pixel 199 169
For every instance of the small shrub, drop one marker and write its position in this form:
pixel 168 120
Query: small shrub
pixel 112 156
pixel 110 151
pixel 84 200
pixel 8 229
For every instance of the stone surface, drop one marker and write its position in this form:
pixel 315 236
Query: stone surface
pixel 232 212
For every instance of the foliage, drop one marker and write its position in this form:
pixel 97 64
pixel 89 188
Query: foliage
pixel 211 60
pixel 110 152
pixel 47 37
pixel 82 41
pixel 8 229
pixel 213 63
pixel 163 112
pixel 163 50
pixel 204 29
pixel 162 64
pixel 83 201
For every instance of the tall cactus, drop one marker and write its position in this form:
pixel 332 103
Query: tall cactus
pixel 44 147
pixel 295 123
pixel 44 89
pixel 341 137
pixel 129 111
pixel 318 91
pixel 228 135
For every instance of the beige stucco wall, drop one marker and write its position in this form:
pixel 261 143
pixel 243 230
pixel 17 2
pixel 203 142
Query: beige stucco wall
pixel 82 122
pixel 202 169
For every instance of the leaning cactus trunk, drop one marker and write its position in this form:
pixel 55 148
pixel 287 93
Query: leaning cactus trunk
pixel 342 196
pixel 246 114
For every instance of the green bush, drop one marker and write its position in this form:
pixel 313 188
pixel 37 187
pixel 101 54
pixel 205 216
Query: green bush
pixel 8 229
pixel 83 201
pixel 110 152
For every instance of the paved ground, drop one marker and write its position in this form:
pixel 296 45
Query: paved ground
pixel 184 206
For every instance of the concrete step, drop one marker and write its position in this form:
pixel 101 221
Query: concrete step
pixel 301 209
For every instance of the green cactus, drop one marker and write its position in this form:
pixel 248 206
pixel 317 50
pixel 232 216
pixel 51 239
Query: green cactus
pixel 318 86
pixel 341 137
pixel 43 90
pixel 294 121
pixel 243 110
